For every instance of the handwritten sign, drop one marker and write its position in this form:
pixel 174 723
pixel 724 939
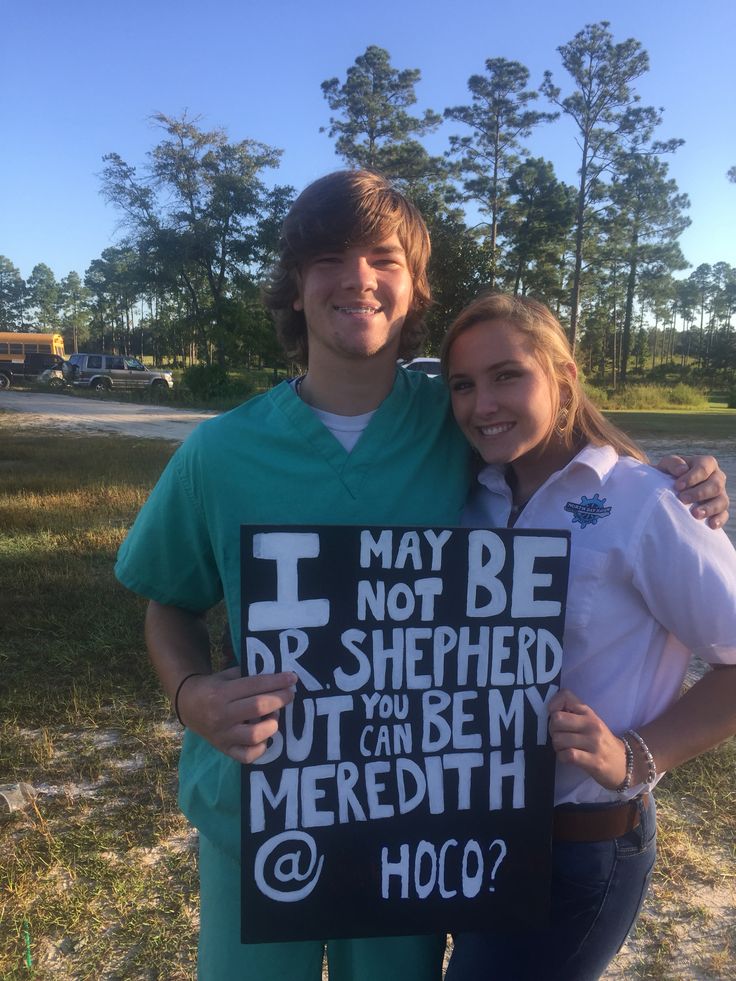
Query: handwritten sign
pixel 409 788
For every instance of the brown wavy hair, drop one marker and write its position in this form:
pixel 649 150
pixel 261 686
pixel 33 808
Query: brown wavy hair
pixel 576 421
pixel 334 213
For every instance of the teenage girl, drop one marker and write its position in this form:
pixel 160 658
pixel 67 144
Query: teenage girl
pixel 648 587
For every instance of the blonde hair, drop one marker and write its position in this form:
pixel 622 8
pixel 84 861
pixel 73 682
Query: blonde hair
pixel 575 421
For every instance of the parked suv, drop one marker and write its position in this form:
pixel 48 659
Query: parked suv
pixel 102 372
pixel 430 366
pixel 34 364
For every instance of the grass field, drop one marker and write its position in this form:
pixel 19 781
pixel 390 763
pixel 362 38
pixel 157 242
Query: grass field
pixel 99 879
pixel 714 424
pixel 98 873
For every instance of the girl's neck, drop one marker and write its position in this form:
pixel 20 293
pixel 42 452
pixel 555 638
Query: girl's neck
pixel 527 474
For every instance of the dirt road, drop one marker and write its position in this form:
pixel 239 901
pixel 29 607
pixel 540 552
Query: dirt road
pixel 103 415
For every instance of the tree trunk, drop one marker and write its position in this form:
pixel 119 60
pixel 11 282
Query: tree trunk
pixel 629 312
pixel 578 268
pixel 494 213
pixel 654 340
pixel 517 281
pixel 614 355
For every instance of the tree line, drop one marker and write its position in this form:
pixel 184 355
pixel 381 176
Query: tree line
pixel 201 221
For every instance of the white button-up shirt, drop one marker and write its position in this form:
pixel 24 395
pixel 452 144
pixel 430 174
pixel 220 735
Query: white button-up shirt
pixel 649 585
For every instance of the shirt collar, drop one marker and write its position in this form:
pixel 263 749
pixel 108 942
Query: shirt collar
pixel 599 459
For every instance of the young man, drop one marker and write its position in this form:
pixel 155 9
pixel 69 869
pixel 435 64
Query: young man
pixel 354 441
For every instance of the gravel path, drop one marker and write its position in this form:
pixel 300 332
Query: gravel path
pixel 104 415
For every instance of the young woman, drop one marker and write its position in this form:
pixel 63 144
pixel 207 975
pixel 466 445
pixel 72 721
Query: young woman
pixel 648 587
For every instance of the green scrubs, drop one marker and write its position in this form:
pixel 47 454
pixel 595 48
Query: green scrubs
pixel 271 461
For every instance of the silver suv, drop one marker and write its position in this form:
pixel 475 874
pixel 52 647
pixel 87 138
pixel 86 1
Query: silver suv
pixel 430 366
pixel 103 372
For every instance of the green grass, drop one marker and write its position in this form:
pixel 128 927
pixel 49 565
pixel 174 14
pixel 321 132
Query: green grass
pixel 100 871
pixel 715 424
pixel 649 397
pixel 687 925
pixel 242 384
pixel 66 502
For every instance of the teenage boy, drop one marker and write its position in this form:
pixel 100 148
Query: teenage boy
pixel 353 441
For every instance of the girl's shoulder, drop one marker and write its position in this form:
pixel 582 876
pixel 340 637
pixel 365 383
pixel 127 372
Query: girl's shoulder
pixel 639 478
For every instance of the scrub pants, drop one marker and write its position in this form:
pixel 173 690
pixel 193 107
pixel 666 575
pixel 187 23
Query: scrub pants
pixel 597 891
pixel 223 958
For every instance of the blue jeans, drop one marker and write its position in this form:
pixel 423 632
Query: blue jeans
pixel 597 891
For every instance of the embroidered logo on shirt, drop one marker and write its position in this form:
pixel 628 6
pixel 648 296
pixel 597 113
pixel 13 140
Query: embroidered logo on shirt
pixel 589 511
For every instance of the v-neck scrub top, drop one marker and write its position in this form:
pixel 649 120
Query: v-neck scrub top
pixel 271 461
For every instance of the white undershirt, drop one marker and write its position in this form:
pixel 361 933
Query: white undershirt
pixel 347 430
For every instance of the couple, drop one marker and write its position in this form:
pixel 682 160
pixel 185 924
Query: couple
pixel 356 441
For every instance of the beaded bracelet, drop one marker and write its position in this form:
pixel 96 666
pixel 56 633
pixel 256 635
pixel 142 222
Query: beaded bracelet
pixel 194 674
pixel 626 782
pixel 651 765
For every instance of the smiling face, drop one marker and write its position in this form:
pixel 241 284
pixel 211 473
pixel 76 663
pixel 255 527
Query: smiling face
pixel 332 214
pixel 503 400
pixel 355 301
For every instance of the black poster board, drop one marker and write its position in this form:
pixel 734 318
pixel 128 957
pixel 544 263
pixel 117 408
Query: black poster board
pixel 410 786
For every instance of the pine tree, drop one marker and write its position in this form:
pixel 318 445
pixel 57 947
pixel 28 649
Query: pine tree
pixel 500 117
pixel 372 126
pixel 602 73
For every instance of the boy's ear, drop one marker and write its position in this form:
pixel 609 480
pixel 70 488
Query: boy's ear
pixel 298 303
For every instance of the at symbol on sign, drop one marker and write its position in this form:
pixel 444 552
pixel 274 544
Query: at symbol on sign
pixel 285 867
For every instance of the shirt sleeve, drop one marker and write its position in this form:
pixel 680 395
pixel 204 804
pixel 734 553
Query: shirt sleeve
pixel 686 574
pixel 167 555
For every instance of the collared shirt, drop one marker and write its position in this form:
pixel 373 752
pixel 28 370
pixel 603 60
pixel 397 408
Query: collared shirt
pixel 648 586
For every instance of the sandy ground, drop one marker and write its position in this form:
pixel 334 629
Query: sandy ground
pixel 161 422
pixel 706 936
pixel 103 415
pixel 723 449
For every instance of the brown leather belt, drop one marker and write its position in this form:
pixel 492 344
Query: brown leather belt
pixel 603 824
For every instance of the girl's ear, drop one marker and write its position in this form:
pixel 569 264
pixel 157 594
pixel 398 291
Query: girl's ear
pixel 571 372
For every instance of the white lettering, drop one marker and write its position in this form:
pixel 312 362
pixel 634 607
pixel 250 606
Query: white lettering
pixel 527 549
pixel 287 610
pixel 486 557
pixel 381 549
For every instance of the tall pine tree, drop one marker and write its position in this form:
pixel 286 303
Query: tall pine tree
pixel 602 74
pixel 500 116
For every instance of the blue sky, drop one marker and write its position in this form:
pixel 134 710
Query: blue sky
pixel 82 79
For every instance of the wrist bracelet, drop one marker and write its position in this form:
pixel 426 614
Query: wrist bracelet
pixel 194 674
pixel 651 765
pixel 626 782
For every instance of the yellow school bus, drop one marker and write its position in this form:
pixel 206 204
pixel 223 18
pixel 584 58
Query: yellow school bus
pixel 19 349
pixel 15 345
